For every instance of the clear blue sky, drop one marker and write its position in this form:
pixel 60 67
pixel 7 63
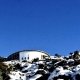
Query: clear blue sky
pixel 49 25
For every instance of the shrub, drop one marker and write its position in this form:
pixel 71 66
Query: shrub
pixel 35 60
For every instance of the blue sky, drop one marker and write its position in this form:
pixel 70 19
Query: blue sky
pixel 49 25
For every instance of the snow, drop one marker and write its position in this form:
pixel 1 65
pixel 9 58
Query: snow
pixel 26 68
pixel 12 62
pixel 17 75
pixel 54 57
pixel 35 77
pixel 32 71
pixel 32 68
pixel 59 71
pixel 60 79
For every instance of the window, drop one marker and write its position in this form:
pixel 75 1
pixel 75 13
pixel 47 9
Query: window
pixel 22 58
pixel 28 57
pixel 25 58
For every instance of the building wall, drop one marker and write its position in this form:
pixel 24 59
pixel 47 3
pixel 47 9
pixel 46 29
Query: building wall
pixel 30 55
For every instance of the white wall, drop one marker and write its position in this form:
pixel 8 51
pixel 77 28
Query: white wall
pixel 23 55
pixel 31 55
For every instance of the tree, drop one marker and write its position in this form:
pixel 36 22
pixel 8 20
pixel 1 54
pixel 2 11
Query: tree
pixel 57 55
pixel 35 60
pixel 71 53
pixel 3 67
pixel 18 66
pixel 76 55
pixel 4 71
pixel 2 59
pixel 5 76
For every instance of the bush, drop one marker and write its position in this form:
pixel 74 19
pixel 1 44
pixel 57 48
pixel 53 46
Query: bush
pixel 35 60
pixel 57 55
pixel 24 61
pixel 3 67
pixel 18 66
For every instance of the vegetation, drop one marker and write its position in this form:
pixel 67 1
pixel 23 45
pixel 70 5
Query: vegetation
pixel 24 61
pixel 57 55
pixel 3 67
pixel 2 59
pixel 3 72
pixel 1 78
pixel 18 66
pixel 35 60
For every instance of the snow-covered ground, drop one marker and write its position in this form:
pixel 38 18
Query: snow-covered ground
pixel 17 75
pixel 57 68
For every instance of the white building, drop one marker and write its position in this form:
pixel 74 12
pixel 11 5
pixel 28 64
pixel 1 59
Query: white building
pixel 28 55
pixel 32 54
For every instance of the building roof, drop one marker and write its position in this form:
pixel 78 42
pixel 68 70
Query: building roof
pixel 34 50
pixel 17 53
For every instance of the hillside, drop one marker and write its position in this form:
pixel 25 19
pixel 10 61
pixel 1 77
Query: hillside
pixel 2 59
pixel 56 68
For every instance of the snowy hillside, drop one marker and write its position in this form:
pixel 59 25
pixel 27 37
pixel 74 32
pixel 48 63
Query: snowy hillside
pixel 56 68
